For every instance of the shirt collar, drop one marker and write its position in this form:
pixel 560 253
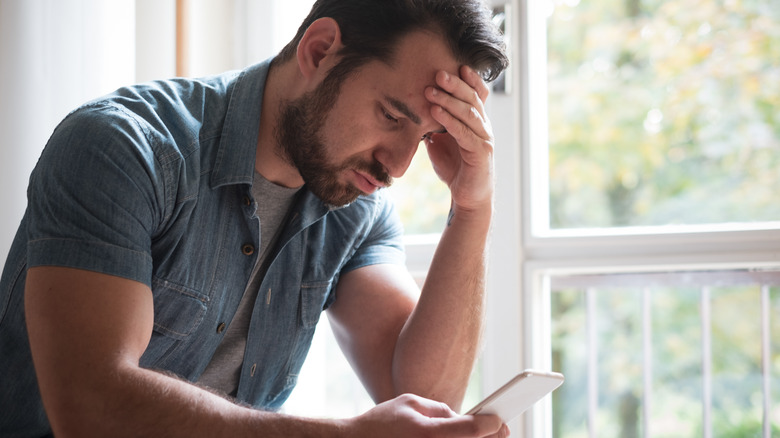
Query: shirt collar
pixel 235 162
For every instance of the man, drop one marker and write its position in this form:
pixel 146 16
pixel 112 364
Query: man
pixel 182 238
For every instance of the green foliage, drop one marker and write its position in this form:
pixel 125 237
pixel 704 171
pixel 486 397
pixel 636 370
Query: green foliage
pixel 658 106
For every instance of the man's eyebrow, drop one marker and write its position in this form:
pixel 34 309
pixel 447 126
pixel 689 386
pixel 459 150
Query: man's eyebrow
pixel 403 109
pixel 406 111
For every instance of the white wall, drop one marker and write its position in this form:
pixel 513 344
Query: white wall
pixel 57 54
pixel 155 39
pixel 232 34
pixel 54 54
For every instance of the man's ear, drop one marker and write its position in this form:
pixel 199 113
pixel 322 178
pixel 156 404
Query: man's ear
pixel 318 48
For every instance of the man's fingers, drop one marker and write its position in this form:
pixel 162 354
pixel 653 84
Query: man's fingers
pixel 458 104
pixel 475 81
pixel 466 135
pixel 462 121
pixel 456 95
pixel 409 415
pixel 468 87
pixel 472 426
pixel 451 424
pixel 429 408
pixel 465 112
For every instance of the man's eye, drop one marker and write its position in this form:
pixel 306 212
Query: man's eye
pixel 389 116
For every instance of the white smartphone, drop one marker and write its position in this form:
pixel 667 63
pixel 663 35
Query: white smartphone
pixel 518 394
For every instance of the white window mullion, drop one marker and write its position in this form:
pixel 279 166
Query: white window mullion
pixel 706 362
pixel 647 355
pixel 765 360
pixel 593 361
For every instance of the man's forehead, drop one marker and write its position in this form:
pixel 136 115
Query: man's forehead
pixel 419 55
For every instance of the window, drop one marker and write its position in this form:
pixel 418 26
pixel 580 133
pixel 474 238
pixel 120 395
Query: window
pixel 650 268
pixel 423 201
pixel 685 354
pixel 655 106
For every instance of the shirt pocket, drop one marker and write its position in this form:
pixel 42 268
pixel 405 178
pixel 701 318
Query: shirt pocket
pixel 178 310
pixel 313 297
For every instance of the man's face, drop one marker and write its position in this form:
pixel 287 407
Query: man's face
pixel 351 137
pixel 299 133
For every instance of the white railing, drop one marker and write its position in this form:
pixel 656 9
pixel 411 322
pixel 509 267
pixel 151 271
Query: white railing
pixel 707 283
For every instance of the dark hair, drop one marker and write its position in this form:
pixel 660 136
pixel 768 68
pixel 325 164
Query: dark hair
pixel 371 29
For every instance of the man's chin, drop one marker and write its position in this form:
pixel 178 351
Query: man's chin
pixel 339 200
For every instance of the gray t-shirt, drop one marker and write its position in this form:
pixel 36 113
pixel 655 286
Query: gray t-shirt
pixel 273 203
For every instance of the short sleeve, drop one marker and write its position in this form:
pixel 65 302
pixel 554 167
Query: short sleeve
pixel 96 195
pixel 384 241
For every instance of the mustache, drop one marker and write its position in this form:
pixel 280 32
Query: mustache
pixel 373 168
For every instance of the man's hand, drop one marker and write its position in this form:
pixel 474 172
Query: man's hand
pixel 463 156
pixel 411 416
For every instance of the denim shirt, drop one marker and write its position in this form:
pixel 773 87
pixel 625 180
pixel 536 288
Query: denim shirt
pixel 153 183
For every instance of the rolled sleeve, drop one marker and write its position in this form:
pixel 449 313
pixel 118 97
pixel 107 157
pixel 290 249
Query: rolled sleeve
pixel 384 242
pixel 95 196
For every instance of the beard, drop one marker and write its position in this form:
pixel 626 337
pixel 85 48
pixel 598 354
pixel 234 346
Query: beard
pixel 300 142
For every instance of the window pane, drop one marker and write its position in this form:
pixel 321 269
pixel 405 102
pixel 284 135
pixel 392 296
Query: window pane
pixel 657 106
pixel 676 364
pixel 569 354
pixel 736 362
pixel 620 375
pixel 422 200
pixel 327 387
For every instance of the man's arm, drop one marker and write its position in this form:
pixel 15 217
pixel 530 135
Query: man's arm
pixel 87 333
pixel 398 344
pixel 439 343
pixel 429 348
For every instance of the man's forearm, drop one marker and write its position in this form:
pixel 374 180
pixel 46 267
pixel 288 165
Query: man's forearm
pixel 153 404
pixel 139 402
pixel 438 345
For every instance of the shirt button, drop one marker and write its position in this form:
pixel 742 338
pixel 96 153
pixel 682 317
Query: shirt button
pixel 221 328
pixel 248 249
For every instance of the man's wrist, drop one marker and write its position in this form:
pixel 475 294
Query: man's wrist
pixel 287 425
pixel 482 214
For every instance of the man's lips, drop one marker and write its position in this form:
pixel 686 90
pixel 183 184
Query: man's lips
pixel 366 183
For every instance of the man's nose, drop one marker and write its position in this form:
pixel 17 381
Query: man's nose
pixel 397 158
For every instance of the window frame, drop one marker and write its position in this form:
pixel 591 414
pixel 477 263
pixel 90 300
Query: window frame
pixel 543 252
